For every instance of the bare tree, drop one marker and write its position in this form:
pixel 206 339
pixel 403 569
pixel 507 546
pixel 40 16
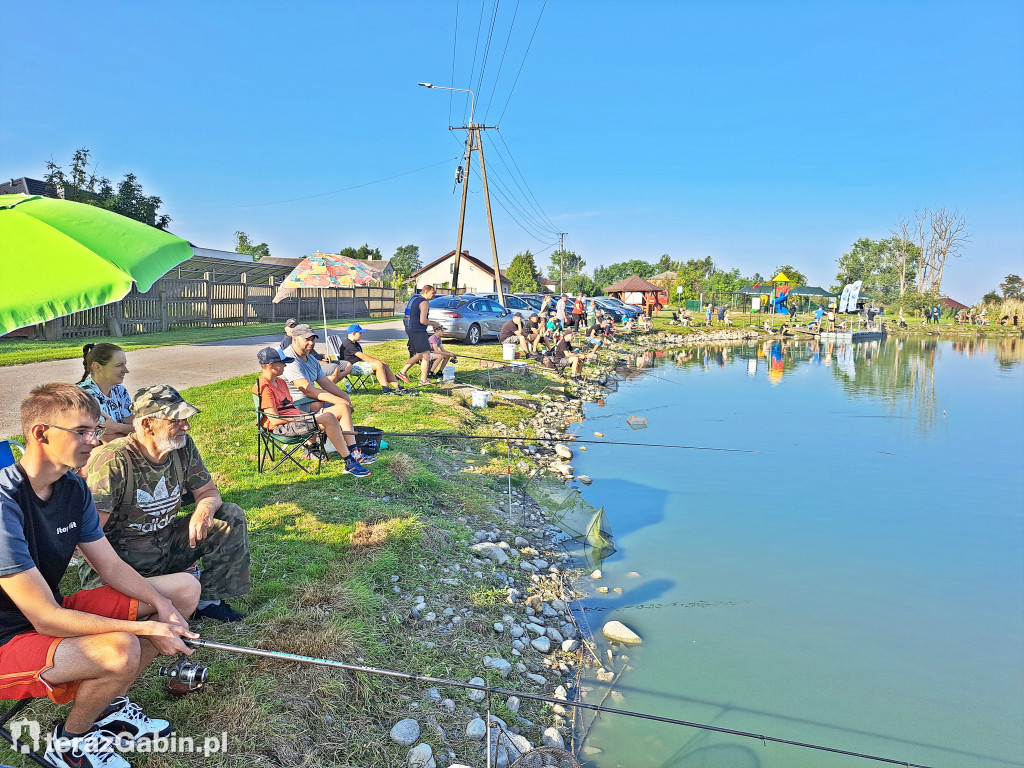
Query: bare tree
pixel 940 234
pixel 948 237
pixel 901 240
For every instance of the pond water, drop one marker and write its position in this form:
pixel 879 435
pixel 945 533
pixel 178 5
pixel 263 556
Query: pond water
pixel 857 584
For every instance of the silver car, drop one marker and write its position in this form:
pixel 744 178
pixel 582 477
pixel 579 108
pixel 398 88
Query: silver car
pixel 468 318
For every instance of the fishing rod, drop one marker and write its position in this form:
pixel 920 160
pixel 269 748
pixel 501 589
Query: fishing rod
pixel 559 440
pixel 195 671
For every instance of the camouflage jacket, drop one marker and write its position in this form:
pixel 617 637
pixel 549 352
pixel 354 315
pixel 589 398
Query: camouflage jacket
pixel 141 497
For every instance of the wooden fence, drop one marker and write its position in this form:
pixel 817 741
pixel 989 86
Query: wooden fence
pixel 177 303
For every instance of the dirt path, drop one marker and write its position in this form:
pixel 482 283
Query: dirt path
pixel 181 366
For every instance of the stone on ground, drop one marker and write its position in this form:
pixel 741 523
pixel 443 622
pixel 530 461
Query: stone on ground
pixel 618 632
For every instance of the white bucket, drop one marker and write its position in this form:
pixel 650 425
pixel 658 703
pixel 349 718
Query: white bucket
pixel 449 373
pixel 480 398
pixel 508 351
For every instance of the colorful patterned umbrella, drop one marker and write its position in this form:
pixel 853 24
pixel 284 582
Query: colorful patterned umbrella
pixel 326 270
pixel 59 257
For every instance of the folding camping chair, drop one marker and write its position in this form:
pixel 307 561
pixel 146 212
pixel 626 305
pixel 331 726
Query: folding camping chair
pixel 361 377
pixel 6 454
pixel 268 444
pixel 6 459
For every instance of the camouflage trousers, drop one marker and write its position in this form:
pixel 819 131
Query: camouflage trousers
pixel 223 555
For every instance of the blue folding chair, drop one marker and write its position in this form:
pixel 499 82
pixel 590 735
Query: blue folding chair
pixel 7 454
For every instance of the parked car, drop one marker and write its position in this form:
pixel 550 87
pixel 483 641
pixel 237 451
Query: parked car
pixel 469 318
pixel 607 302
pixel 514 301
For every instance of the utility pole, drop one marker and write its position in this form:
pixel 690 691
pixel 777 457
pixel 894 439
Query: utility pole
pixel 561 262
pixel 473 141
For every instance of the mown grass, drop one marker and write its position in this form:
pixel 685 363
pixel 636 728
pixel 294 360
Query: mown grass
pixel 325 550
pixel 20 351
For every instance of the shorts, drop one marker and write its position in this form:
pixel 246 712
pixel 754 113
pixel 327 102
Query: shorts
pixel 513 339
pixel 594 341
pixel 297 427
pixel 419 342
pixel 25 657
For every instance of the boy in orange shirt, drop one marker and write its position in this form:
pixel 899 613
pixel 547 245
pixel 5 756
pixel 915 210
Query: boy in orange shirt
pixel 283 417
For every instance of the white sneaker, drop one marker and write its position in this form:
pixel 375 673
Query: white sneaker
pixel 128 723
pixel 93 750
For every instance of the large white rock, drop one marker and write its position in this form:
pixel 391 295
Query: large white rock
pixel 421 756
pixel 500 665
pixel 405 732
pixel 618 632
pixel 491 552
pixel 552 738
pixel 474 695
pixel 563 451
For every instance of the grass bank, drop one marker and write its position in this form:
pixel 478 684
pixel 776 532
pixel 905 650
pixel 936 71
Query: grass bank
pixel 335 561
pixel 20 351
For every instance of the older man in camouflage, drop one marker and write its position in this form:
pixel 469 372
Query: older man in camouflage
pixel 138 483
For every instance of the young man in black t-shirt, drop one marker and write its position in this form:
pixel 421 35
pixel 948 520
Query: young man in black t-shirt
pixel 88 647
pixel 352 352
pixel 565 352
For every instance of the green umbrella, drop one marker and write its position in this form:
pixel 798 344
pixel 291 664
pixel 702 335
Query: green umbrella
pixel 59 257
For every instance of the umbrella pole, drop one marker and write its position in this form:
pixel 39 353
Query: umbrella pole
pixel 323 308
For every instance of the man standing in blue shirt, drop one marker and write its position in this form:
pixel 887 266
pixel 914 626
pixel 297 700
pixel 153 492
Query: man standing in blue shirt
pixel 91 646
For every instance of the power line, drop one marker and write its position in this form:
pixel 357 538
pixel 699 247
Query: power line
pixel 476 48
pixel 502 192
pixel 539 17
pixel 501 64
pixel 455 46
pixel 537 205
pixel 487 47
pixel 322 194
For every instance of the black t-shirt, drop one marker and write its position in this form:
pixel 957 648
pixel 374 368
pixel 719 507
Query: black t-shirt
pixel 40 534
pixel 349 349
pixel 415 326
pixel 508 330
pixel 561 348
pixel 595 330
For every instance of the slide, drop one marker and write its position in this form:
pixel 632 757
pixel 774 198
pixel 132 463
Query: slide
pixel 780 305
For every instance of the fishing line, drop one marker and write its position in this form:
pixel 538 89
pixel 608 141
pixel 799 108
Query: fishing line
pixel 213 645
pixel 559 440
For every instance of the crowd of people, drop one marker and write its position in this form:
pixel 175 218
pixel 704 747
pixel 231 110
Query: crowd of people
pixel 106 474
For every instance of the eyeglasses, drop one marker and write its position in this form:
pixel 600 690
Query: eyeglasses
pixel 175 422
pixel 83 434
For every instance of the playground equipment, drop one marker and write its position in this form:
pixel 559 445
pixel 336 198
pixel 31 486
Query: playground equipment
pixel 780 297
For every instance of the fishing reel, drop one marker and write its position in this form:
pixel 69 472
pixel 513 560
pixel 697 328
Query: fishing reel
pixel 184 675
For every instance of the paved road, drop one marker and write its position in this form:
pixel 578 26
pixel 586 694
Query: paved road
pixel 185 365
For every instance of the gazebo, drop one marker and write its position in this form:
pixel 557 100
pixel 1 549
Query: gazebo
pixel 635 290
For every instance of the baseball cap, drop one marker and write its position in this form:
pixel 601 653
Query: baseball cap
pixel 303 331
pixel 161 400
pixel 269 355
pixel 354 328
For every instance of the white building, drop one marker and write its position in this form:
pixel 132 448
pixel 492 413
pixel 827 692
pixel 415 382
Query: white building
pixel 474 275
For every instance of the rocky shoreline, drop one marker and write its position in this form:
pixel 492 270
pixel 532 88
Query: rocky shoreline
pixel 537 641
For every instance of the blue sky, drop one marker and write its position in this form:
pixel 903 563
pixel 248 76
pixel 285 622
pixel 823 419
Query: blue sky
pixel 756 133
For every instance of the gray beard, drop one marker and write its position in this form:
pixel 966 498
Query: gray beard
pixel 166 443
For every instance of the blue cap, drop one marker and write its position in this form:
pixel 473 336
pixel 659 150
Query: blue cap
pixel 354 328
pixel 269 355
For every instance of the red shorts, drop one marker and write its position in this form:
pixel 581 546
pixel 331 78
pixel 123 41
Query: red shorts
pixel 25 657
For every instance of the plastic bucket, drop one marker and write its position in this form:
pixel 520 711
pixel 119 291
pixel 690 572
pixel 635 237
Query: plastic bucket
pixel 449 373
pixel 368 439
pixel 508 351
pixel 480 398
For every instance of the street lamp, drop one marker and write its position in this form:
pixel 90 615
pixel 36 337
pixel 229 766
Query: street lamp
pixel 472 107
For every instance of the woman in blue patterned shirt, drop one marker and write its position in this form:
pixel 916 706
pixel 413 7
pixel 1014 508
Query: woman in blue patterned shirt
pixel 105 368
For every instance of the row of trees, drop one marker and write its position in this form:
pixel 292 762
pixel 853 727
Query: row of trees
pixel 907 267
pixel 81 184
